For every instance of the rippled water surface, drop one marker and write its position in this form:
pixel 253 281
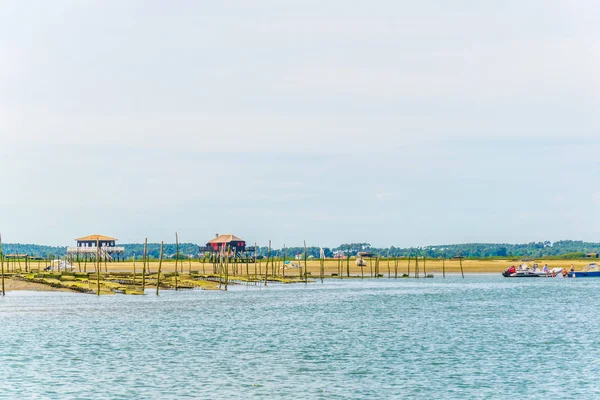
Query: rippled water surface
pixel 481 337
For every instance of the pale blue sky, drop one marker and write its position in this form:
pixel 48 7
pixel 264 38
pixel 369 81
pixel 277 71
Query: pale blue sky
pixel 393 122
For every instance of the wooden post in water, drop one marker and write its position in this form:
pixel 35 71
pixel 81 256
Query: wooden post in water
pixel 144 266
pixel 255 251
pixel 176 260
pixel 461 267
pixel 348 262
pixel 417 263
pixel 283 265
pixel 160 258
pixel 362 270
pixel 273 274
pixel 443 265
pixel 259 268
pixel 2 265
pixel 227 267
pixel 98 267
pixel 424 259
pixel 219 262
pixel 388 263
pixel 409 257
pixel 322 271
pixel 376 269
pixel 133 268
pixel 267 265
pixel 305 264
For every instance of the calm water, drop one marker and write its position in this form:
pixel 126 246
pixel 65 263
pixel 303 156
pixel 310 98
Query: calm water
pixel 481 337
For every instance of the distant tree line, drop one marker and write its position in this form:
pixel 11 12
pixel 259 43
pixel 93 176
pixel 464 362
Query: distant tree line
pixel 563 248
pixel 153 250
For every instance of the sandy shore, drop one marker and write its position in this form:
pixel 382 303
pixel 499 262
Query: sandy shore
pixel 13 284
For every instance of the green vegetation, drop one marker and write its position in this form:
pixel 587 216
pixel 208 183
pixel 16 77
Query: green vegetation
pixel 572 248
pixel 563 249
pixel 50 252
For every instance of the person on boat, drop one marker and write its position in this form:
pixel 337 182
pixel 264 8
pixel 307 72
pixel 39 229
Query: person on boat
pixel 564 272
pixel 512 269
pixel 572 271
pixel 545 269
pixel 553 273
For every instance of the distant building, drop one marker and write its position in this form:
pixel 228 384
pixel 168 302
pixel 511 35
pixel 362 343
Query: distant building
pixel 92 240
pixel 222 242
pixel 16 256
pixel 88 247
pixel 238 251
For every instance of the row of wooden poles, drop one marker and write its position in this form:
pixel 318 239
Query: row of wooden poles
pixel 221 266
pixel 98 261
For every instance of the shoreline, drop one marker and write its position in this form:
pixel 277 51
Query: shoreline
pixel 13 285
pixel 256 271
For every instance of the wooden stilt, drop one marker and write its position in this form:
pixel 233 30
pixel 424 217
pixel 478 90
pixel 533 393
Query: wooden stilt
pixel 145 259
pixel 348 262
pixel 97 267
pixel 160 258
pixel 2 265
pixel 176 260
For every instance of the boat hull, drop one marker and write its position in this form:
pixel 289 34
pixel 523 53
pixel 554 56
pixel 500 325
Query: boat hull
pixel 526 275
pixel 587 274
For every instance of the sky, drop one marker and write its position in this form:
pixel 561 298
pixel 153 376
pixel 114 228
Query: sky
pixel 389 122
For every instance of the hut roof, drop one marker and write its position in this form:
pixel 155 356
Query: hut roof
pixel 226 239
pixel 95 237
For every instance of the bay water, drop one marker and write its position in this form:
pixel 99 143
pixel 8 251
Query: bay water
pixel 484 336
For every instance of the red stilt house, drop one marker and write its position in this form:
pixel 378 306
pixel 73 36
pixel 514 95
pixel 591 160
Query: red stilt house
pixel 238 251
pixel 221 242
